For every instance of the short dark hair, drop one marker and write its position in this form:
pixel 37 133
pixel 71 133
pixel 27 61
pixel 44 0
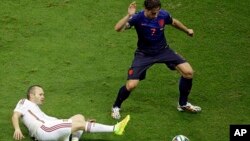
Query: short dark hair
pixel 31 90
pixel 151 4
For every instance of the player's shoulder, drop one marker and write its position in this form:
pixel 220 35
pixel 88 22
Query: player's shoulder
pixel 23 101
pixel 138 14
pixel 163 12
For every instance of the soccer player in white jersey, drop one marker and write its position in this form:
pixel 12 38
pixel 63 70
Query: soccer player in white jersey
pixel 44 127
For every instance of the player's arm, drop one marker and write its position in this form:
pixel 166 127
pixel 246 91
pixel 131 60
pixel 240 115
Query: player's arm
pixel 123 23
pixel 18 135
pixel 177 24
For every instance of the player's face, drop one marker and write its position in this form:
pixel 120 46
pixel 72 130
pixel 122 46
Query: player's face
pixel 38 96
pixel 153 13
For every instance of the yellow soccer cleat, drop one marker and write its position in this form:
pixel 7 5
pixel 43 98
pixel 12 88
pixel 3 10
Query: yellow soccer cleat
pixel 120 126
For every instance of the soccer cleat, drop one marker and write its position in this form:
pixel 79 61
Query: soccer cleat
pixel 189 108
pixel 115 113
pixel 120 126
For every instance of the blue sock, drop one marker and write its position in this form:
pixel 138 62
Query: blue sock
pixel 185 86
pixel 123 94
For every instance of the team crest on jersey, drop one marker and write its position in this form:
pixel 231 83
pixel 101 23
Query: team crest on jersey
pixel 161 22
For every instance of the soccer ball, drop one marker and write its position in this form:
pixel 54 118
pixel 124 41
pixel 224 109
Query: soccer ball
pixel 180 138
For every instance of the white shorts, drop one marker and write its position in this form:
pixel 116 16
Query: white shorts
pixel 54 131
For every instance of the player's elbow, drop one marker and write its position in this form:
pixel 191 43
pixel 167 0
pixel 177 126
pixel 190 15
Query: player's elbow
pixel 175 23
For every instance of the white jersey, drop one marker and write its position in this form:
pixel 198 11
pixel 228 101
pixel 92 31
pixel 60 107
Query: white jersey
pixel 32 116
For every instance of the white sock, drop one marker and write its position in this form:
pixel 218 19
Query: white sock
pixel 75 139
pixel 76 135
pixel 93 127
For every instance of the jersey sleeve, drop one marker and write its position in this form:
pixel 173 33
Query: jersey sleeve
pixel 20 107
pixel 168 18
pixel 133 20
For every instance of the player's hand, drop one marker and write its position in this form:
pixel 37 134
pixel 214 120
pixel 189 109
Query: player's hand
pixel 132 8
pixel 190 32
pixel 18 135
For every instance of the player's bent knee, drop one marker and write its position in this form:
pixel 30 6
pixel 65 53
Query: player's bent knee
pixel 78 122
pixel 78 118
pixel 131 86
pixel 188 74
pixel 81 117
pixel 76 125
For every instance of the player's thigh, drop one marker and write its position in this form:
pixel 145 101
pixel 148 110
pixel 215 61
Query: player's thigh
pixel 170 58
pixel 185 69
pixel 56 130
pixel 139 66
